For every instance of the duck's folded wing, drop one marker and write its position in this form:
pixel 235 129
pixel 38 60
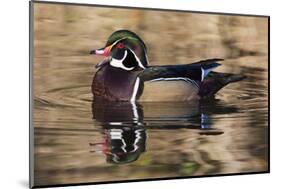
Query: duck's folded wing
pixel 195 72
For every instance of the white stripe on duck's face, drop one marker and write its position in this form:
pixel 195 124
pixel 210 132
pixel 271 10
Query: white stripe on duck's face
pixel 137 59
pixel 119 63
pixel 129 61
pixel 122 56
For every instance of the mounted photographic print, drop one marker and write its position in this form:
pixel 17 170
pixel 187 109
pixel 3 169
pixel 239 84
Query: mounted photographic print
pixel 121 94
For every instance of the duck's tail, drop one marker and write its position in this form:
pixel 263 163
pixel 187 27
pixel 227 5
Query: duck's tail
pixel 216 81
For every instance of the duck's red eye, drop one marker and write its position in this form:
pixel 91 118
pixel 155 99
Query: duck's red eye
pixel 120 45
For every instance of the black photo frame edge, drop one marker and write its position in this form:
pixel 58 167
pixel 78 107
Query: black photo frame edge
pixel 31 129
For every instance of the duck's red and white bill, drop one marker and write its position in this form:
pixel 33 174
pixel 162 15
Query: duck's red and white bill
pixel 103 51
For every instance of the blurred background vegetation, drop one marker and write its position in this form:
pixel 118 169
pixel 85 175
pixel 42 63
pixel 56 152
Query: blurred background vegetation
pixel 171 37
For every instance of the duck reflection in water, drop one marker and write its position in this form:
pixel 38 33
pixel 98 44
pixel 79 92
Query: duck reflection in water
pixel 125 124
pixel 125 134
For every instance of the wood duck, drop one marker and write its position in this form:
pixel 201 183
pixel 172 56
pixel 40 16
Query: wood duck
pixel 124 75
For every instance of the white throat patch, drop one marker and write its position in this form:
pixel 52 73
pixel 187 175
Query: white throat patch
pixel 118 63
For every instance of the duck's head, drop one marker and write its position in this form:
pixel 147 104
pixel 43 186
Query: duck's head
pixel 125 50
